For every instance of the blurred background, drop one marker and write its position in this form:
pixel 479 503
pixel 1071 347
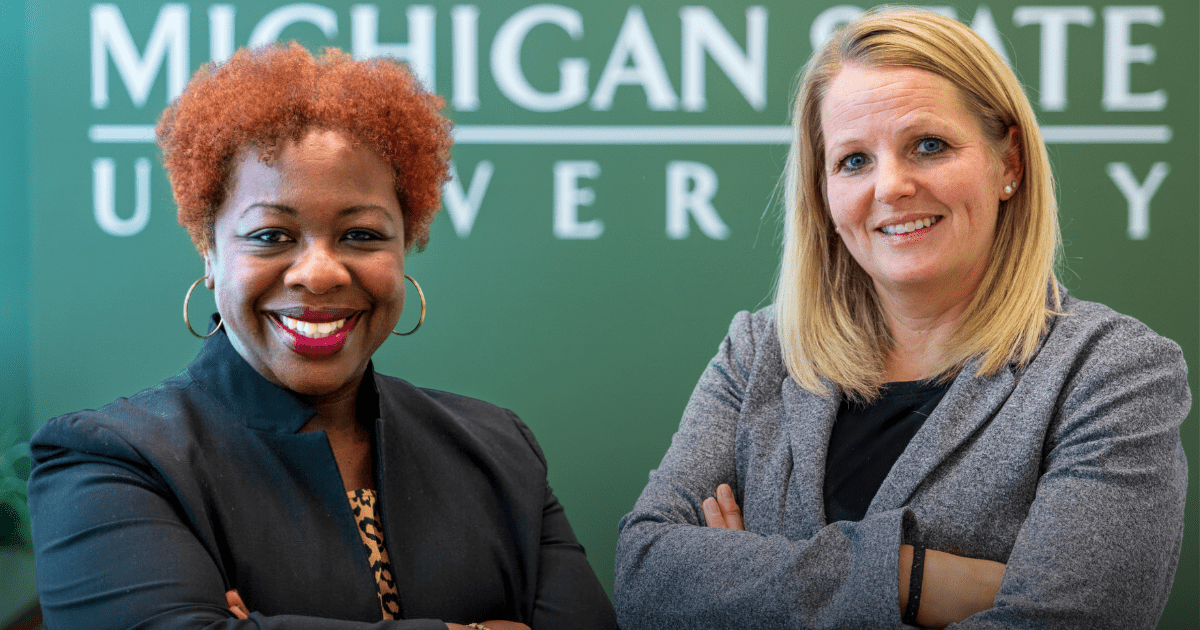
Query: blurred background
pixel 615 204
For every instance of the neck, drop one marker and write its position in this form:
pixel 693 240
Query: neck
pixel 334 417
pixel 337 412
pixel 922 324
pixel 349 439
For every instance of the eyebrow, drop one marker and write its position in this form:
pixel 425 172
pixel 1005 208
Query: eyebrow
pixel 912 128
pixel 288 210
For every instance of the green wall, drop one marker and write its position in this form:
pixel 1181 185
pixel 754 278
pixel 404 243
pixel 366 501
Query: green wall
pixel 595 342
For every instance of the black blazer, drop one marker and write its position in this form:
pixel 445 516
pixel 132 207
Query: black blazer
pixel 147 510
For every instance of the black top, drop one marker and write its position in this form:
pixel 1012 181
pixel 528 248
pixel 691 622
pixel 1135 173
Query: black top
pixel 147 510
pixel 867 440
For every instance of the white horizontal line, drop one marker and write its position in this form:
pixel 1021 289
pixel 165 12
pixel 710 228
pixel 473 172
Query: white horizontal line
pixel 1106 134
pixel 611 134
pixel 681 134
pixel 121 133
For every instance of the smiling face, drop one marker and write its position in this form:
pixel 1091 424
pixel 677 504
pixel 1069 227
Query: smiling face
pixel 307 262
pixel 913 185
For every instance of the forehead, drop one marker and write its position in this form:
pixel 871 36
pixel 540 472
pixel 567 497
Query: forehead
pixel 320 164
pixel 863 99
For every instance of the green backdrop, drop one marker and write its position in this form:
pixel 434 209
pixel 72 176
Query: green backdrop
pixel 582 276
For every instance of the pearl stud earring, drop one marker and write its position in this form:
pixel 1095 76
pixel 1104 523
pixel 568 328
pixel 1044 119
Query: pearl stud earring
pixel 1008 189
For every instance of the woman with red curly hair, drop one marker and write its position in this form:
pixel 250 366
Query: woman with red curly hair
pixel 278 481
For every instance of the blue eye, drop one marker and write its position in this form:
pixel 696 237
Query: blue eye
pixel 931 145
pixel 853 162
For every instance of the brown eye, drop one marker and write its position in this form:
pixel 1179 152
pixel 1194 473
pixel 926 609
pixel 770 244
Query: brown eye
pixel 362 235
pixel 269 237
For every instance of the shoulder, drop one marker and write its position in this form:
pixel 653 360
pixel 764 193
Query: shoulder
pixel 446 415
pixel 752 341
pixel 1102 360
pixel 1092 333
pixel 468 410
pixel 754 329
pixel 127 428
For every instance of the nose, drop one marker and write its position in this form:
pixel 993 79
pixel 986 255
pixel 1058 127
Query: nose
pixel 317 269
pixel 893 181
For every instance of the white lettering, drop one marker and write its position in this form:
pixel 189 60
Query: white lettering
pixel 985 26
pixel 568 196
pixel 1054 22
pixel 104 197
pixel 635 41
pixel 271 26
pixel 418 52
pixel 702 33
pixel 464 206
pixel 1119 54
pixel 220 32
pixel 1138 195
pixel 168 38
pixel 465 19
pixel 506 60
pixel 695 199
pixel 828 21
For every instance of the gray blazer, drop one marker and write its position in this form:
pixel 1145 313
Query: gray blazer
pixel 1070 471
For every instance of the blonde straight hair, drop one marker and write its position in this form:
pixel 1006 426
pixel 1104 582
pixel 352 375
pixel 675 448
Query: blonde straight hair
pixel 829 319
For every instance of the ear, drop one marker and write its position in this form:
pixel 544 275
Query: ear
pixel 208 270
pixel 1011 161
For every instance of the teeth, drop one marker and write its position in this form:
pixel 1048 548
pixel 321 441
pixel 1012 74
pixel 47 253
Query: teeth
pixel 313 330
pixel 905 228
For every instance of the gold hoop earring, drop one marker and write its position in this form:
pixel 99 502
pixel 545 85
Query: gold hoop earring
pixel 187 322
pixel 419 321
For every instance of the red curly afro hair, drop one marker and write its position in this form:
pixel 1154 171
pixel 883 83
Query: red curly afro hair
pixel 262 97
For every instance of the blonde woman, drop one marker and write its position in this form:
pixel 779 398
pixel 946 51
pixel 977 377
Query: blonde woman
pixel 925 429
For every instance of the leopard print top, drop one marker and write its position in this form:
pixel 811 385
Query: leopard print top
pixel 362 502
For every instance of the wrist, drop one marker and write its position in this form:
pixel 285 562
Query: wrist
pixel 956 587
pixel 904 570
pixel 911 603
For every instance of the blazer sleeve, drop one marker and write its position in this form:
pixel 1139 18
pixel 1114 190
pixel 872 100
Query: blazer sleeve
pixel 672 572
pixel 1101 541
pixel 569 597
pixel 113 549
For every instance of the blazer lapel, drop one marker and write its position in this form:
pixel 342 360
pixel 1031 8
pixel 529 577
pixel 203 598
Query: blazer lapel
pixel 970 403
pixel 808 421
pixel 415 485
pixel 320 541
pixel 400 504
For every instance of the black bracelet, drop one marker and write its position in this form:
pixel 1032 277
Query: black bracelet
pixel 914 585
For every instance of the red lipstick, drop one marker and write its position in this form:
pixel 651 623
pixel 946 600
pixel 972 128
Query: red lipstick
pixel 316 348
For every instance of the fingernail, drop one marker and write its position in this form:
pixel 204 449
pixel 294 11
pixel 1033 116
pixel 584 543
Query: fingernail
pixel 726 492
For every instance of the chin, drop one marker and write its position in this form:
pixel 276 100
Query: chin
pixel 915 273
pixel 315 385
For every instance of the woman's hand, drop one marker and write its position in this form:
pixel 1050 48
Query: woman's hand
pixel 235 604
pixel 952 588
pixel 723 511
pixel 492 625
pixel 239 610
